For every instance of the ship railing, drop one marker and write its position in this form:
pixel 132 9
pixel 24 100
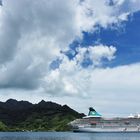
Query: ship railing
pixel 116 126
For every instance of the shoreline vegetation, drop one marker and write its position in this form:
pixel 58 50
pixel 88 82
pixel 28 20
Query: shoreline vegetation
pixel 44 116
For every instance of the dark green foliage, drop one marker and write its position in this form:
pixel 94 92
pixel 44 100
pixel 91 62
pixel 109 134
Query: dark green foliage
pixel 3 127
pixel 44 116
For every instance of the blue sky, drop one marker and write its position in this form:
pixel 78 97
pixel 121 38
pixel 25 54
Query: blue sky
pixel 81 53
pixel 126 38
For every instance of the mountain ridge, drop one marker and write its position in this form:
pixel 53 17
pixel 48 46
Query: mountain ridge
pixel 43 116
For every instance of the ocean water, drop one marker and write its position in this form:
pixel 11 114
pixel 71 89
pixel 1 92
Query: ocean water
pixel 67 136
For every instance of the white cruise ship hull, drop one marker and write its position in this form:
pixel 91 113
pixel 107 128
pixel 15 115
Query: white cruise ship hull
pixel 102 130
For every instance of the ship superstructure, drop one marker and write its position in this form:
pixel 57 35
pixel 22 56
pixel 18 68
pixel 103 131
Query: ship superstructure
pixel 94 122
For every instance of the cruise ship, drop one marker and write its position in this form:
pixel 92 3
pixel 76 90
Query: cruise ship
pixel 94 122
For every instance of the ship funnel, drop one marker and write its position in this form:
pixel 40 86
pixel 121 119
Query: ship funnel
pixel 93 112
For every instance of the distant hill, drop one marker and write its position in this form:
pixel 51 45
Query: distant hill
pixel 44 116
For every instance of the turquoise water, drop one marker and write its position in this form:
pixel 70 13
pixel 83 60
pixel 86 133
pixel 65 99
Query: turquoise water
pixel 68 136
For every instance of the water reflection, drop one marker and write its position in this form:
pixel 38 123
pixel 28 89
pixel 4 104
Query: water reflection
pixel 69 136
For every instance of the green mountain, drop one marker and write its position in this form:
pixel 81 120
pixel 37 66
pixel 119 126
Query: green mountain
pixel 44 116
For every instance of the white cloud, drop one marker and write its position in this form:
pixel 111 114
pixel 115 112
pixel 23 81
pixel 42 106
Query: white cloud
pixel 132 5
pixel 32 34
pixel 112 91
pixel 85 81
pixel 118 87
pixel 95 54
pixel 98 12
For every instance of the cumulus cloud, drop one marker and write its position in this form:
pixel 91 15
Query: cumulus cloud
pixel 99 12
pixel 118 87
pixel 30 21
pixel 128 5
pixel 71 79
pixel 33 33
pixel 105 14
pixel 95 54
